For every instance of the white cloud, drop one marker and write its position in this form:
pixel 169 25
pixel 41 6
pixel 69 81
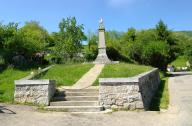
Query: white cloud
pixel 120 3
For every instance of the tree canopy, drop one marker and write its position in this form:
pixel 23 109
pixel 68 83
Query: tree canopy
pixel 68 41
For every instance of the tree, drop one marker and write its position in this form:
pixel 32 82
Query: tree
pixel 92 41
pixel 156 53
pixel 35 38
pixel 130 35
pixel 9 40
pixel 113 44
pixel 162 31
pixel 8 34
pixel 164 34
pixel 92 49
pixel 68 39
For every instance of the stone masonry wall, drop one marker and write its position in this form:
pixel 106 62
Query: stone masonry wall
pixel 129 93
pixel 148 84
pixel 34 91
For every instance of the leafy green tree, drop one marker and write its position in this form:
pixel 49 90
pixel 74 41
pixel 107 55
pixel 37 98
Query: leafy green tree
pixel 20 44
pixel 68 41
pixel 8 34
pixel 92 42
pixel 183 41
pixel 113 39
pixel 146 36
pixel 9 41
pixel 164 34
pixel 156 53
pixel 92 50
pixel 35 38
pixel 162 31
pixel 130 35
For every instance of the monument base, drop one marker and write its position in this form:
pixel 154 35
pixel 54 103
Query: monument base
pixel 102 58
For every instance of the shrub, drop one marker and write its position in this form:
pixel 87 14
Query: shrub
pixel 113 54
pixel 90 55
pixel 135 50
pixel 156 53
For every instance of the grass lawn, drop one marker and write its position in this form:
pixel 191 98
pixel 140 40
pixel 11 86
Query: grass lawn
pixel 121 70
pixel 67 75
pixel 180 61
pixel 7 78
pixel 161 98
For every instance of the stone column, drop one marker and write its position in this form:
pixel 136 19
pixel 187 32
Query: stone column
pixel 102 57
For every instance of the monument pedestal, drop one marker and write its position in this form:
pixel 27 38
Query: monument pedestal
pixel 102 57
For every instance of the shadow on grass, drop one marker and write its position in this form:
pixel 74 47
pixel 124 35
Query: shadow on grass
pixel 30 66
pixel 2 68
pixel 41 75
pixel 156 100
pixel 1 92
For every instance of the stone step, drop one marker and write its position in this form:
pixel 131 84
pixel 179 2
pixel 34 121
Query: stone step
pixel 76 98
pixel 74 103
pixel 79 90
pixel 63 93
pixel 74 108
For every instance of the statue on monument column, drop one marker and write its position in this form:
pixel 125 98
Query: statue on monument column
pixel 101 24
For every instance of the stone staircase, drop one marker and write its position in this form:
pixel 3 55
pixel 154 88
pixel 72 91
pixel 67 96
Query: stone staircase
pixel 75 100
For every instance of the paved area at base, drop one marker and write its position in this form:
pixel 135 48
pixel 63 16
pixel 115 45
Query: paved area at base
pixel 29 116
pixel 89 78
pixel 179 113
pixel 180 89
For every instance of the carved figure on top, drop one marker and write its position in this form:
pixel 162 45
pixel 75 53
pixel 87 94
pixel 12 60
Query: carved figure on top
pixel 101 24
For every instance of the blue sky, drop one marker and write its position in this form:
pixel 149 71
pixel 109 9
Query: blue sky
pixel 117 14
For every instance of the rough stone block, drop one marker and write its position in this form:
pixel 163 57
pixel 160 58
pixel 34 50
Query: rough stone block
pixel 34 91
pixel 129 93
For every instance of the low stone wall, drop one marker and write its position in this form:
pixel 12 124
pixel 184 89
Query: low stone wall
pixel 129 93
pixel 34 91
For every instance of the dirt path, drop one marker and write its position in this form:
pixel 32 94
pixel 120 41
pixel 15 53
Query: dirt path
pixel 88 79
pixel 179 113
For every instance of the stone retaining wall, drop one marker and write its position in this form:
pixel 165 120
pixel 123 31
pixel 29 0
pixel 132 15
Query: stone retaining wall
pixel 34 91
pixel 129 93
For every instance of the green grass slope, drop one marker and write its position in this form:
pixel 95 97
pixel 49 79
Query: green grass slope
pixel 122 70
pixel 161 97
pixel 67 74
pixel 179 61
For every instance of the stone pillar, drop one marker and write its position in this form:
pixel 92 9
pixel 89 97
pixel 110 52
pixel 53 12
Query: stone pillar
pixel 102 57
